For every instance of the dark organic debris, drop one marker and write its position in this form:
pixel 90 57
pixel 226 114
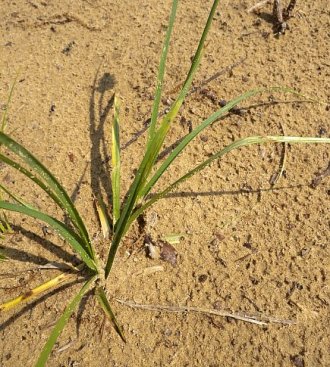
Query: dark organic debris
pixel 297 361
pixel 168 253
pixel 234 110
pixel 281 14
pixel 68 48
pixel 320 176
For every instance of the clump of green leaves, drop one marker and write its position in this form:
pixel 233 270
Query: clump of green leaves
pixel 138 197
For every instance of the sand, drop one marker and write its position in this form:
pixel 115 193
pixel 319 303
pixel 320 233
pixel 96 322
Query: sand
pixel 247 248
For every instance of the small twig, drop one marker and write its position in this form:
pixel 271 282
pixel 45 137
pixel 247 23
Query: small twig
pixel 259 320
pixel 258 6
pixel 150 270
pixel 65 346
pixel 277 11
pixel 281 15
pixel 287 13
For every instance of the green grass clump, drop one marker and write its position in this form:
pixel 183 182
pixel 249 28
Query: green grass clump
pixel 137 198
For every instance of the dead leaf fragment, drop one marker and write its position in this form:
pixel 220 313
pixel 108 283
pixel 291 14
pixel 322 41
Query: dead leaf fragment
pixel 168 253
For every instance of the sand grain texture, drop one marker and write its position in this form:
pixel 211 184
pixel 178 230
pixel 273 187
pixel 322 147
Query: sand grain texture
pixel 247 248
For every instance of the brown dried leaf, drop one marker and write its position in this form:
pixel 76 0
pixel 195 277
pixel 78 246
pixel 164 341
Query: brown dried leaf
pixel 168 253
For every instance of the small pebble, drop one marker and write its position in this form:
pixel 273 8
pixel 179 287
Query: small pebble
pixel 202 278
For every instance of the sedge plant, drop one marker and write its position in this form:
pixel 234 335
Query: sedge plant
pixel 138 198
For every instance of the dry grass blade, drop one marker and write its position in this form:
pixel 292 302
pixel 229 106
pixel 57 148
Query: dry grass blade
pixel 32 293
pixel 259 5
pixel 259 320
pixel 103 217
pixel 137 199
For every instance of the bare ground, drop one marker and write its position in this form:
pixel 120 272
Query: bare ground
pixel 247 248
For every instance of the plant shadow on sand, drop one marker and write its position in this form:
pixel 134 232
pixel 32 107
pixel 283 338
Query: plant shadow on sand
pixel 98 113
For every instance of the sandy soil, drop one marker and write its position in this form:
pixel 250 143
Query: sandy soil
pixel 247 248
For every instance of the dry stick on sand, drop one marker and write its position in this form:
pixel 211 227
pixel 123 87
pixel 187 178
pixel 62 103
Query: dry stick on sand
pixel 258 6
pixel 259 320
pixel 281 15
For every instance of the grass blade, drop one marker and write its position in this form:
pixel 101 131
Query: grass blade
pixel 235 145
pixel 28 174
pixel 32 293
pixel 215 116
pixel 115 175
pixel 160 135
pixel 161 72
pixel 5 113
pixel 15 197
pixel 153 149
pixel 5 227
pixel 102 298
pixel 103 217
pixel 72 238
pixel 61 323
pixel 251 141
pixel 194 65
pixel 59 194
pixel 2 258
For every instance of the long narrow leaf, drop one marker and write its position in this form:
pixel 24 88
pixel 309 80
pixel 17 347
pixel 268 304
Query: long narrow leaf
pixel 59 194
pixel 161 72
pixel 62 322
pixel 235 145
pixel 72 238
pixel 5 113
pixel 102 298
pixel 215 116
pixel 125 214
pixel 15 197
pixel 28 174
pixel 32 293
pixel 195 63
pixel 160 135
pixel 115 175
pixel 153 149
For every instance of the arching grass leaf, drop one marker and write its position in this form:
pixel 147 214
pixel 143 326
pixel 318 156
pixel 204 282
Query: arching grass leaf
pixel 49 184
pixel 62 322
pixel 73 239
pixel 235 145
